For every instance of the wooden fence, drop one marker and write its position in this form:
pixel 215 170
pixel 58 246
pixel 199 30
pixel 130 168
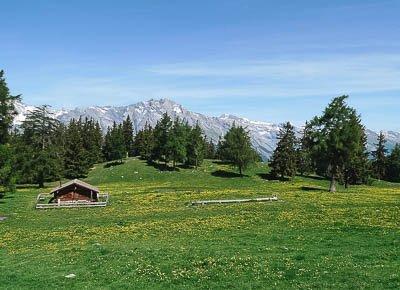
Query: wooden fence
pixel 103 201
pixel 224 201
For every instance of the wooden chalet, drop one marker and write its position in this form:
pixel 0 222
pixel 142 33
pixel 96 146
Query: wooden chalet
pixel 75 190
pixel 74 193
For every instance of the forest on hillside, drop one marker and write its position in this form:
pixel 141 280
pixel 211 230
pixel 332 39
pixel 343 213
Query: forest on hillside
pixel 42 149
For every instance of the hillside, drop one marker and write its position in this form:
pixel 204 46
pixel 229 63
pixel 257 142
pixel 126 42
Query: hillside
pixel 149 236
pixel 263 134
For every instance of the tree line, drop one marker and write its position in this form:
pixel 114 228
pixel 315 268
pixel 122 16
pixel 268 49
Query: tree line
pixel 386 166
pixel 173 141
pixel 43 149
pixel 334 145
pixel 177 142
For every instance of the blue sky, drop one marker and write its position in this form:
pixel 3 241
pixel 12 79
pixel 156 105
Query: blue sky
pixel 264 60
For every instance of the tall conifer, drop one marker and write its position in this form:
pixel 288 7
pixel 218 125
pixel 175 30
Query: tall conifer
pixel 162 134
pixel 379 157
pixel 196 146
pixel 336 139
pixel 284 158
pixel 393 165
pixel 127 128
pixel 236 148
pixel 43 161
pixel 7 114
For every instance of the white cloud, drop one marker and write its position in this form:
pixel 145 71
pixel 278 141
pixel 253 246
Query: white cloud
pixel 312 76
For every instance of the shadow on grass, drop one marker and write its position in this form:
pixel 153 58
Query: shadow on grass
pixel 4 196
pixel 185 166
pixel 311 188
pixel 162 166
pixel 27 186
pixel 220 162
pixel 315 177
pixel 113 163
pixel 227 174
pixel 269 176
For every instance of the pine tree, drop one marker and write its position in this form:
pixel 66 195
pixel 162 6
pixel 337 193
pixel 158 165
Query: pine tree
pixel 220 152
pixel 144 142
pixel 334 139
pixel 7 156
pixel 114 143
pixel 196 147
pixel 284 158
pixel 7 174
pixel 7 109
pixel 379 158
pixel 209 149
pixel 356 167
pixel 176 144
pixel 304 158
pixel 237 149
pixel 91 135
pixel 43 161
pixel 162 133
pixel 75 156
pixel 97 141
pixel 107 145
pixel 127 128
pixel 393 165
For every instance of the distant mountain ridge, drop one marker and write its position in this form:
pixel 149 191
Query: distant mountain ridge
pixel 263 134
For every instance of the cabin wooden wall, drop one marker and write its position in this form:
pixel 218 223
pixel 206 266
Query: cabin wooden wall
pixel 69 196
pixel 72 193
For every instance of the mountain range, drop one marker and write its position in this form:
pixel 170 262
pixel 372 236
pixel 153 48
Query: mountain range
pixel 263 134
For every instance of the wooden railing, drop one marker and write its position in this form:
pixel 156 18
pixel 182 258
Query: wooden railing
pixel 103 201
pixel 226 201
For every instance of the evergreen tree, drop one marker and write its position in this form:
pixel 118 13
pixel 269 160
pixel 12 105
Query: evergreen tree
pixel 356 167
pixel 284 158
pixel 96 142
pixel 7 109
pixel 107 145
pixel 220 152
pixel 176 144
pixel 196 147
pixel 7 174
pixel 237 149
pixel 335 139
pixel 114 143
pixel 304 158
pixel 127 128
pixel 92 141
pixel 379 158
pixel 162 133
pixel 7 114
pixel 209 149
pixel 144 142
pixel 393 165
pixel 75 156
pixel 43 161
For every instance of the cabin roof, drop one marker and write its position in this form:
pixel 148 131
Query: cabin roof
pixel 78 183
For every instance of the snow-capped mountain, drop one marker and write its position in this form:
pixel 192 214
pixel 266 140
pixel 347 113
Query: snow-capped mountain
pixel 263 134
pixel 22 110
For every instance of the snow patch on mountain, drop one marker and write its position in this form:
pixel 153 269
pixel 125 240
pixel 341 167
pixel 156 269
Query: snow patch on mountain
pixel 263 134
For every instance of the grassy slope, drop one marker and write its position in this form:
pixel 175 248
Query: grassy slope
pixel 150 237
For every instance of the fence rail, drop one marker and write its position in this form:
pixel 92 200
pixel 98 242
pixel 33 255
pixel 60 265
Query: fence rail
pixel 70 204
pixel 222 201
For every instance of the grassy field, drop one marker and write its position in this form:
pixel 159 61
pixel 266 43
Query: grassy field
pixel 149 236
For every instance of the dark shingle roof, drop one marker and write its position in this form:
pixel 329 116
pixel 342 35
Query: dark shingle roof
pixel 77 182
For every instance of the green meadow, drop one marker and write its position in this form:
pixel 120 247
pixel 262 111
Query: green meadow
pixel 151 237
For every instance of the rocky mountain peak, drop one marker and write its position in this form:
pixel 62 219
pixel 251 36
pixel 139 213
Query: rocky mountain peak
pixel 263 134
